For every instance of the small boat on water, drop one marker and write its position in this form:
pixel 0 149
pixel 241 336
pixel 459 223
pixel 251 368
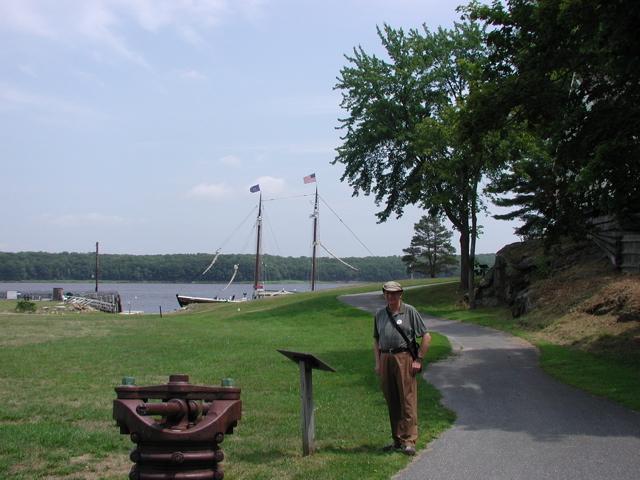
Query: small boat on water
pixel 258 290
pixel 185 300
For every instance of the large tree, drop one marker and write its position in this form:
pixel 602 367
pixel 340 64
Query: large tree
pixel 403 139
pixel 570 71
pixel 430 252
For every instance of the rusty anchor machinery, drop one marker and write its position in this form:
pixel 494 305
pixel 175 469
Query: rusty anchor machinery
pixel 259 290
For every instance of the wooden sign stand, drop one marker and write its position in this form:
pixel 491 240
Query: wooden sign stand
pixel 307 362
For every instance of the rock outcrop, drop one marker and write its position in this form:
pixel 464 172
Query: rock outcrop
pixel 509 281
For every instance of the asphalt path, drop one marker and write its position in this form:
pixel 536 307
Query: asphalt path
pixel 514 422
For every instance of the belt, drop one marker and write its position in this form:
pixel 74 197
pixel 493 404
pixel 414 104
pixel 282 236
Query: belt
pixel 395 350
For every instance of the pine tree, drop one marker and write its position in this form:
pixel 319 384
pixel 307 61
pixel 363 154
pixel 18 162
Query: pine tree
pixel 431 252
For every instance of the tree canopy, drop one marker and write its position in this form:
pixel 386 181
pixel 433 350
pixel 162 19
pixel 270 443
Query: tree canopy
pixel 403 139
pixel 570 71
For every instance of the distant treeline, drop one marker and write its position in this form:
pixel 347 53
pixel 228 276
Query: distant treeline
pixel 177 268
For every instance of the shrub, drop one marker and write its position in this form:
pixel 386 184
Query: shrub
pixel 26 306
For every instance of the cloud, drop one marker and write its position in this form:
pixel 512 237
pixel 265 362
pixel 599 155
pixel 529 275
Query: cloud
pixel 211 192
pixel 270 185
pixel 11 97
pixel 28 70
pixel 192 75
pixel 303 105
pixel 81 220
pixel 25 17
pixel 104 21
pixel 231 161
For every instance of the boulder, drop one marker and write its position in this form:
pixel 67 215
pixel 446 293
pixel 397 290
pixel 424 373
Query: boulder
pixel 507 283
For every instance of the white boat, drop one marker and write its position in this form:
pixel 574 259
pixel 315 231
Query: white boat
pixel 258 290
pixel 185 300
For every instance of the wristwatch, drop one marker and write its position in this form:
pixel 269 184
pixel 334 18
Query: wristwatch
pixel 419 359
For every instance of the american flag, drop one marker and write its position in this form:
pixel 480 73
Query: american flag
pixel 310 178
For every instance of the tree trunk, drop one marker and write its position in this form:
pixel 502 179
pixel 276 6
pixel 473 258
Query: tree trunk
pixel 472 253
pixel 471 288
pixel 464 260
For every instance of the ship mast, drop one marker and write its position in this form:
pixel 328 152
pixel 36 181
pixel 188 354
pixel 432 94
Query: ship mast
pixel 315 242
pixel 97 265
pixel 256 276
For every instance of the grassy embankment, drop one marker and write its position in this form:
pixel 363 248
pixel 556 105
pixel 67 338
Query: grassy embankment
pixel 610 374
pixel 59 371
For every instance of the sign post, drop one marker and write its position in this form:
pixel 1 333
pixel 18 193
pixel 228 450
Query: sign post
pixel 306 363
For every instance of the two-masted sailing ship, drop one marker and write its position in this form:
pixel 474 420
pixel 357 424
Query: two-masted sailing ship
pixel 259 290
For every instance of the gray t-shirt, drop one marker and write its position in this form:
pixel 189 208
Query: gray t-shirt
pixel 408 319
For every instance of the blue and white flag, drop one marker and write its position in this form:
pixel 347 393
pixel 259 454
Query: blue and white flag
pixel 255 188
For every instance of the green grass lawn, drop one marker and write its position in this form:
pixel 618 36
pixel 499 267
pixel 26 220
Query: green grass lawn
pixel 59 372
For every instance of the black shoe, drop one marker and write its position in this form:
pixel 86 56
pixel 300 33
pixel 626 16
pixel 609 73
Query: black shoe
pixel 409 450
pixel 391 446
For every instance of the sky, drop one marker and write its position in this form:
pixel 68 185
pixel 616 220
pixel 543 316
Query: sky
pixel 142 125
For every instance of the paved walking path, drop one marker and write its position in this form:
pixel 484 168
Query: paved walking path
pixel 515 422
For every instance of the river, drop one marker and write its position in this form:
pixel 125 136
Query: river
pixel 154 297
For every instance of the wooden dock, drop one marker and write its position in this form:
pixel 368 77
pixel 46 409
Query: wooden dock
pixel 105 302
pixel 109 302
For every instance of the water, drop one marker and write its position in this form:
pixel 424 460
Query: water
pixel 151 297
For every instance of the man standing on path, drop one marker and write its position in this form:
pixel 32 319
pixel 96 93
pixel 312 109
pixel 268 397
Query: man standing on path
pixel 396 366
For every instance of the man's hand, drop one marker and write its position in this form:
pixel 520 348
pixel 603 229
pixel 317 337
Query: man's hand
pixel 416 366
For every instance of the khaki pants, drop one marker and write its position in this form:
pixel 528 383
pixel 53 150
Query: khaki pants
pixel 398 384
